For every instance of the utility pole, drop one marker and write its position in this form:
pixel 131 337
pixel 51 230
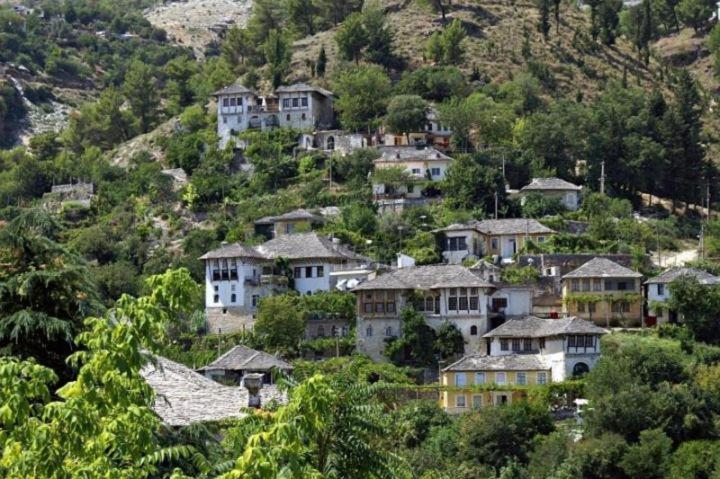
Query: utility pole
pixel 707 203
pixel 496 205
pixel 602 177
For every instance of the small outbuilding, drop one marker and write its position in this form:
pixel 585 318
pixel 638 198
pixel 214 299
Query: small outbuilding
pixel 241 360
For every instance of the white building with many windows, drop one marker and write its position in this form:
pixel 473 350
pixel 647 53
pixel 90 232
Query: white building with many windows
pixel 238 276
pixel 299 106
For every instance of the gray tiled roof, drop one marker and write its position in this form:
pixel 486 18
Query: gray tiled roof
pixel 234 250
pixel 569 261
pixel 667 276
pixel 552 184
pixel 232 90
pixel 602 268
pixel 303 87
pixel 292 246
pixel 506 226
pixel 533 327
pixel 410 153
pixel 185 397
pixel 299 214
pixel 241 358
pixel 427 277
pixel 509 362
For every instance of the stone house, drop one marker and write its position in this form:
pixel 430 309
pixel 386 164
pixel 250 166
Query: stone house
pixel 441 293
pixel 296 221
pixel 502 237
pixel 605 292
pixel 658 292
pixel 553 188
pixel 520 353
pixel 298 106
pixel 238 276
pixel 241 360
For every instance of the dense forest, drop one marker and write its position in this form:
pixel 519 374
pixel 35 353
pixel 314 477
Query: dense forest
pixel 88 291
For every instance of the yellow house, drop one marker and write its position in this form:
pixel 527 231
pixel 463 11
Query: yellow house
pixel 604 292
pixel 477 381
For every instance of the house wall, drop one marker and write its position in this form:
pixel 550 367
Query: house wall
pixel 314 283
pixel 371 335
pixel 569 198
pixel 603 314
pixel 473 241
pixel 233 118
pixel 289 227
pixel 448 398
pixel 654 296
pixel 502 244
pixel 420 167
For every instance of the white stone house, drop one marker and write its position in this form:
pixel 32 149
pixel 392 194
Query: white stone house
pixel 658 291
pixel 238 276
pixel 441 293
pixel 298 106
pixel 502 237
pixel 566 192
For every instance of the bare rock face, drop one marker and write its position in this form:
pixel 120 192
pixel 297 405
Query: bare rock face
pixel 198 23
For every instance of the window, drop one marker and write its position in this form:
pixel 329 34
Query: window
pixel 415 171
pixel 586 284
pixel 379 307
pixel 460 379
pixel 575 285
pixel 216 298
pixel 233 102
pixel 295 102
pixel 287 117
pixel 389 331
pixel 499 304
pixel 304 101
pixel 581 307
pixel 479 378
pixel 226 102
pixel 516 345
pixel 477 401
pixel 255 299
pixel 321 332
pixel 452 300
pixel 521 378
pixel 542 377
pixel 297 272
pixel 232 287
pixel 429 304
pixel 434 171
pixel 597 284
pixel 320 270
pixel 541 343
pixel 308 272
pixel 571 341
pixel 503 345
pixel 660 289
pixel 541 239
pixel 473 330
pixel 500 378
pixel 591 307
pixel 460 400
pixel 494 244
pixel 224 119
pixel 622 285
pixel 589 341
pixel 303 117
pixel 527 344
pixel 216 288
pixel 463 303
pixel 390 307
pixel 233 298
pixel 457 244
pixel 367 308
pixel 233 271
pixel 368 332
pixel 286 102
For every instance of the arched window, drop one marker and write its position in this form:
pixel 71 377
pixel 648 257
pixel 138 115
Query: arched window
pixel 580 369
pixel 321 332
pixel 368 331
pixel 473 330
pixel 330 144
pixel 388 331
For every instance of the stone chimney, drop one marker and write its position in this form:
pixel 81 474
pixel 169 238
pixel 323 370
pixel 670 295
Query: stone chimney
pixel 253 383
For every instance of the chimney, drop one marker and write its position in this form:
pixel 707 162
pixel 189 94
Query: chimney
pixel 253 383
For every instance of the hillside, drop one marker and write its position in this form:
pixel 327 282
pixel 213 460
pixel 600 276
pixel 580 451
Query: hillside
pixel 496 33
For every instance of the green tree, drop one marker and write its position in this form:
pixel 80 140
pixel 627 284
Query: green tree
pixel 470 183
pixel 440 6
pixel 434 48
pixel 379 35
pixel 237 46
pixel 279 325
pixel 267 15
pixel 406 114
pixel 434 83
pixel 544 21
pixel 608 19
pixel 649 458
pixel 179 72
pixel 321 64
pixel 362 97
pixel 697 304
pixel 140 88
pixel 302 13
pixel 277 55
pixel 415 345
pixel 695 13
pixel 351 37
pixel 453 39
pixel 449 342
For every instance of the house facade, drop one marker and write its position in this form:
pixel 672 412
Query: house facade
pixel 419 162
pixel 604 292
pixel 658 292
pixel 502 237
pixel 298 106
pixel 237 277
pixel 296 221
pixel 435 134
pixel 441 293
pixel 521 353
pixel 553 188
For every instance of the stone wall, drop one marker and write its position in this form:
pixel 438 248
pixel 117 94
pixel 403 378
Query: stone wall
pixel 229 320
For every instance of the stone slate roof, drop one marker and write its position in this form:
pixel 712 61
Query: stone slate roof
pixel 303 87
pixel 602 268
pixel 233 90
pixel 295 215
pixel 533 327
pixel 241 358
pixel 569 261
pixel 670 274
pixel 426 277
pixel 293 246
pixel 508 362
pixel 506 226
pixel 185 397
pixel 401 154
pixel 550 184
